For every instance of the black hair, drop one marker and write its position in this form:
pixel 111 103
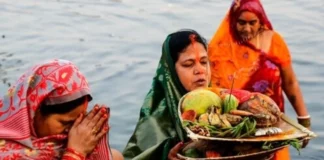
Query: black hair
pixel 180 40
pixel 64 107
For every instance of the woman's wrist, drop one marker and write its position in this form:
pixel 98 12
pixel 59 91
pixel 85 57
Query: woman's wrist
pixel 71 153
pixel 304 117
pixel 304 120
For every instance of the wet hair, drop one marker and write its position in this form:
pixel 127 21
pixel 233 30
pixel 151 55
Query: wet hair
pixel 180 40
pixel 64 107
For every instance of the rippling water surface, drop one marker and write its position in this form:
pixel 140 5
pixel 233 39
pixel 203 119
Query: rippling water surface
pixel 117 44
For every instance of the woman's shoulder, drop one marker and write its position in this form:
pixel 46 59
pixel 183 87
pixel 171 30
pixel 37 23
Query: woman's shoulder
pixel 274 35
pixel 279 46
pixel 277 39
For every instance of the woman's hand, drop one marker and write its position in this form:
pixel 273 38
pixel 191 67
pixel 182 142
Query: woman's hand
pixel 306 122
pixel 86 132
pixel 305 143
pixel 306 140
pixel 173 152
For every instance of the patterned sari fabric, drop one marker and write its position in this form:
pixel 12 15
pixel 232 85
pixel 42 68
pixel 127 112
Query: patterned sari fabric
pixel 55 82
pixel 251 68
pixel 159 128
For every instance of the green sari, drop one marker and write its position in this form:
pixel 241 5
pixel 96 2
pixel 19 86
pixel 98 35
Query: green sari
pixel 159 127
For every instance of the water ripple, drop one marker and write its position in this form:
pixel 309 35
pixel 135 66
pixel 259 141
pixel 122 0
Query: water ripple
pixel 117 45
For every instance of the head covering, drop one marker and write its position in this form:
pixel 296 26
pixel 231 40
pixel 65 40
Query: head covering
pixel 159 127
pixel 254 6
pixel 240 61
pixel 51 83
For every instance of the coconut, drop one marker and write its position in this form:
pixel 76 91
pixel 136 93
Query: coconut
pixel 200 100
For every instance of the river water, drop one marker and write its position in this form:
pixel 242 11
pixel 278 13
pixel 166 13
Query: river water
pixel 117 45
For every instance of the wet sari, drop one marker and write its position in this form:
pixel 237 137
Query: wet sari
pixel 241 65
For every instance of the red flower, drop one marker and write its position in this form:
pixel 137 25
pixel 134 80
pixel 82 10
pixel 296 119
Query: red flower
pixel 43 85
pixel 33 97
pixel 65 74
pixel 74 86
pixel 60 90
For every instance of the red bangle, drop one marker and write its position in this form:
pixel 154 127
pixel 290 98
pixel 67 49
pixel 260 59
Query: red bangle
pixel 68 157
pixel 72 151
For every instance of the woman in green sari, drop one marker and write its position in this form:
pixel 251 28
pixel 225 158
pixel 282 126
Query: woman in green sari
pixel 183 67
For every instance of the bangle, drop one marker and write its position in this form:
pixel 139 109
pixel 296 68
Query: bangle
pixel 305 122
pixel 303 117
pixel 72 151
pixel 69 157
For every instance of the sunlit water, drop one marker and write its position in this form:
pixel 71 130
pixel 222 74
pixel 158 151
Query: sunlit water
pixel 117 45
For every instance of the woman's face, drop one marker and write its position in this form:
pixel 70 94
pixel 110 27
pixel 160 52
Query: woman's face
pixel 248 25
pixel 193 68
pixel 52 124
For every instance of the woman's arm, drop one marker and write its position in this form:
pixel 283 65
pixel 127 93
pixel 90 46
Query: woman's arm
pixel 292 90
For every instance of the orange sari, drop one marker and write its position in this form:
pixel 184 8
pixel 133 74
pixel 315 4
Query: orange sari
pixel 252 69
pixel 246 67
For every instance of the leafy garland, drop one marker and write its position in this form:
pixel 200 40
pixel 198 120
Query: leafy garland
pixel 292 142
pixel 246 128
